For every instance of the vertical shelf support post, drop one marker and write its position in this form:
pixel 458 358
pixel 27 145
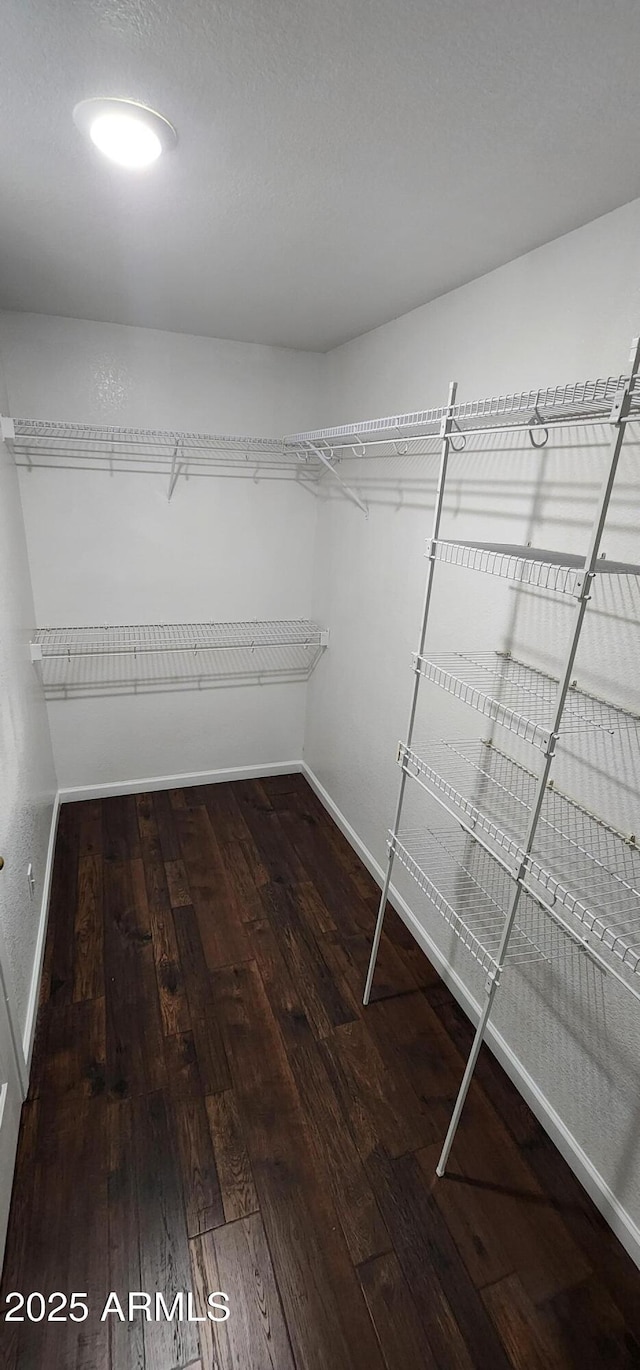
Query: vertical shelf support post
pixel 445 431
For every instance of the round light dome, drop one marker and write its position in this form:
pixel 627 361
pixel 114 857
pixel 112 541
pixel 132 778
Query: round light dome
pixel 128 133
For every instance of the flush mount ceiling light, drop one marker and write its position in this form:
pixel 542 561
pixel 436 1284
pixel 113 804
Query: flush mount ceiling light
pixel 128 133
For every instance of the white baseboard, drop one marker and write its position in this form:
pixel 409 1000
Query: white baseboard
pixel 172 782
pixel 28 1036
pixel 621 1222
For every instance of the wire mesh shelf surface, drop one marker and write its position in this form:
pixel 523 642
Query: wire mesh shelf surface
pixel 142 638
pixel 549 570
pixel 78 442
pixel 581 401
pixel 472 893
pixel 519 697
pixel 578 861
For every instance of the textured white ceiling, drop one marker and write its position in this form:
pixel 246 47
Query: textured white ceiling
pixel 340 161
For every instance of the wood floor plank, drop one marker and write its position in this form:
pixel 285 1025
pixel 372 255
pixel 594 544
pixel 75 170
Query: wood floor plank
pixel 128 951
pixel 88 974
pixel 467 1211
pixel 200 1183
pixel 454 1318
pixel 527 1342
pixel 127 1339
pixel 135 1059
pixel 322 1300
pixel 259 872
pixel 226 818
pixel 209 1047
pixel 165 823
pixel 323 1002
pixel 412 1040
pixel 164 1259
pixel 221 930
pixel 62 907
pixel 600 1247
pixel 73 1059
pixel 266 835
pixel 498 1193
pixel 90 829
pixel 380 1106
pixel 134 1046
pixel 233 1166
pixel 241 880
pixel 364 1231
pixel 585 1327
pixel 119 827
pixel 236 1261
pixel 177 884
pixel 67 1247
pixel 171 990
pixel 394 1315
pixel 508 1103
pixel 181 1065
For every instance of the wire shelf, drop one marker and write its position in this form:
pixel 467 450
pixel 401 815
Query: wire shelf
pixel 519 697
pixel 578 861
pixel 134 639
pixel 473 894
pixel 537 566
pixel 76 443
pixel 555 406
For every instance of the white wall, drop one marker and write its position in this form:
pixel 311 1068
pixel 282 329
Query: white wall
pixel 27 777
pixel 564 312
pixel 110 548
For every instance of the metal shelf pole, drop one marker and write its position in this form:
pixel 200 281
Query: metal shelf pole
pixel 445 431
pixel 618 416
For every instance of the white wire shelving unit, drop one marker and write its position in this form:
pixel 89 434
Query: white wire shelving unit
pixel 307 455
pixel 535 411
pixel 471 893
pixel 139 639
pixel 154 653
pixel 519 697
pixel 578 864
pixel 524 863
pixel 534 566
pixel 35 443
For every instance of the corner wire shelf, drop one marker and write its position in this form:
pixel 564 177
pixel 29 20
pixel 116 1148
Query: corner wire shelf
pixel 306 455
pixel 535 411
pixel 519 697
pixel 138 639
pixel 548 850
pixel 578 862
pixel 470 892
pixel 36 442
pixel 535 566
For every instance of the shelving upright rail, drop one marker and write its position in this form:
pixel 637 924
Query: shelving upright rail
pixel 603 903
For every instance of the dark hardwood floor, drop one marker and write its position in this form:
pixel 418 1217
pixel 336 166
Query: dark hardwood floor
pixel 212 1109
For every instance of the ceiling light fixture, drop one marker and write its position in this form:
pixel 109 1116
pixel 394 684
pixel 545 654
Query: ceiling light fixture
pixel 128 133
